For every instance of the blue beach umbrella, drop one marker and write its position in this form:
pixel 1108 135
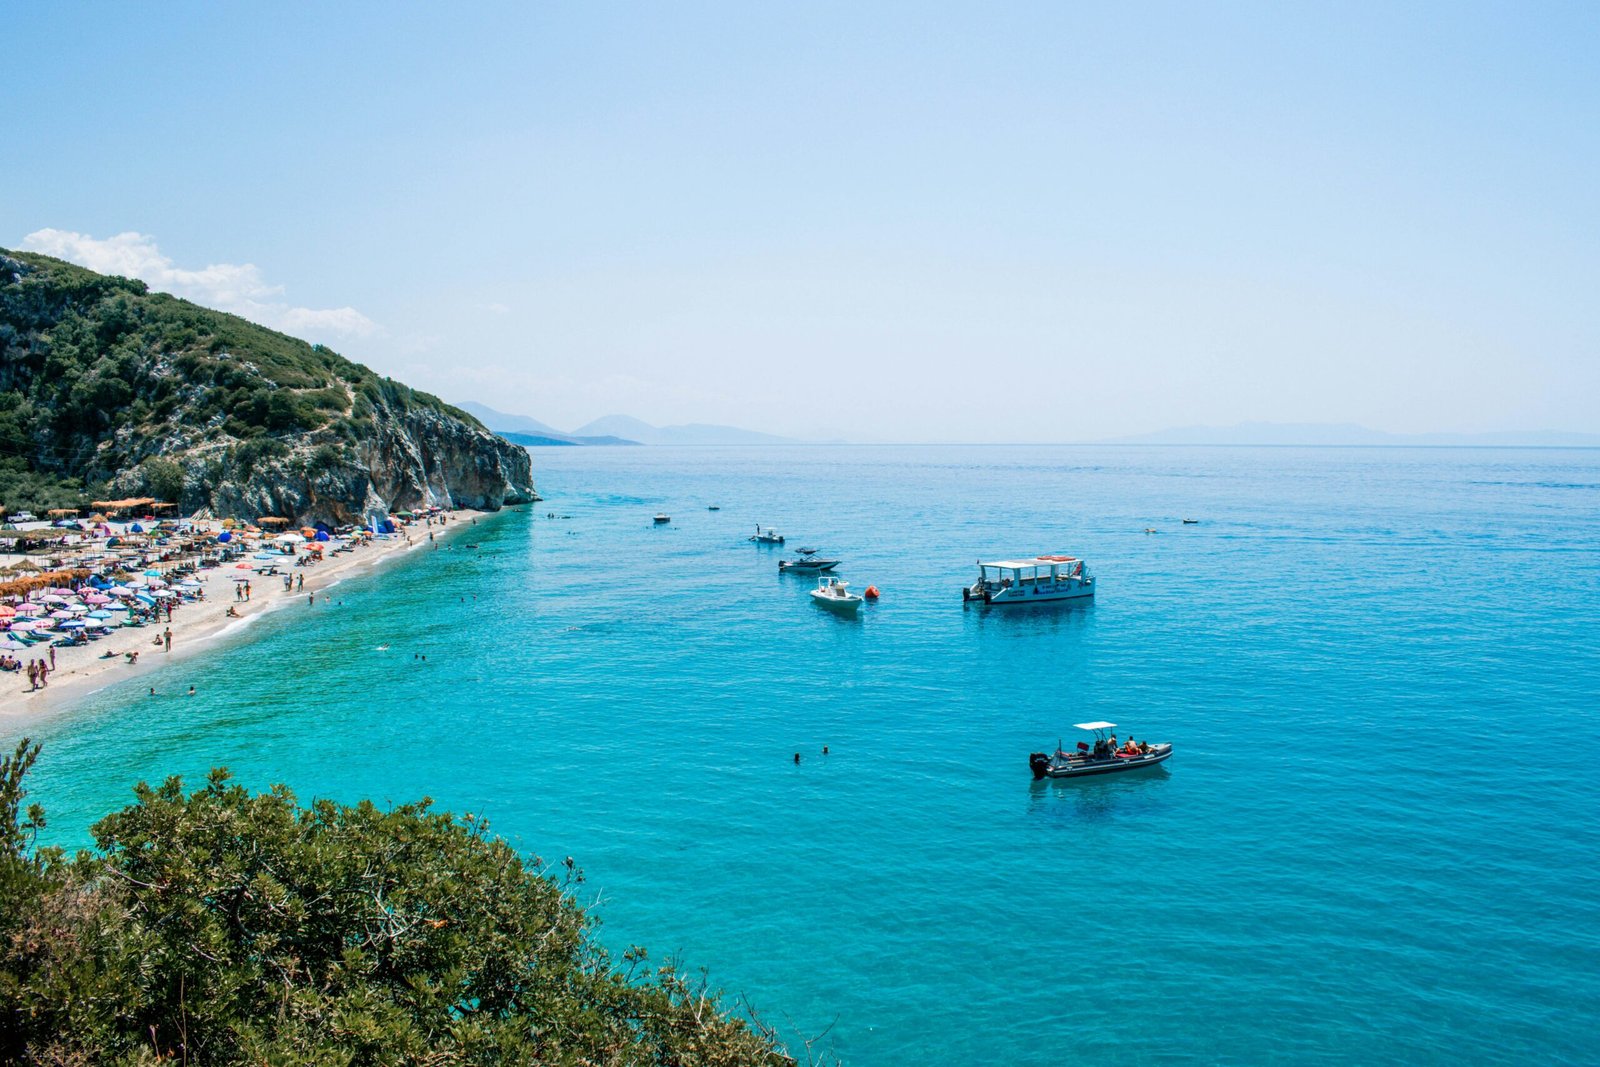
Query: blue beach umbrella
pixel 224 537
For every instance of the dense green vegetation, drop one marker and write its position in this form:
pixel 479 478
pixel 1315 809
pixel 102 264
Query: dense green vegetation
pixel 97 374
pixel 224 927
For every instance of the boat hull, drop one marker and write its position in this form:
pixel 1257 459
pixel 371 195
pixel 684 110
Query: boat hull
pixel 808 568
pixel 1044 766
pixel 1037 594
pixel 841 605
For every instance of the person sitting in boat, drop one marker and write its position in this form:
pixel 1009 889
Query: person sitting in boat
pixel 1130 749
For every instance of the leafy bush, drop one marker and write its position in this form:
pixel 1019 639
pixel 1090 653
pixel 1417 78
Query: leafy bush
pixel 162 478
pixel 222 927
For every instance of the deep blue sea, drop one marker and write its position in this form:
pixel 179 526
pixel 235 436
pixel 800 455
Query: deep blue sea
pixel 1377 840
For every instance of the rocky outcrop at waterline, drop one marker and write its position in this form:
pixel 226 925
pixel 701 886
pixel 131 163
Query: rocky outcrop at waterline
pixel 109 389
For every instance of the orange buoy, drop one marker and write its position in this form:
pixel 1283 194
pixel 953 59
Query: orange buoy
pixel 871 593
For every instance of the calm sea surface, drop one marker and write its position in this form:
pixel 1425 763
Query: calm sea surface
pixel 1377 840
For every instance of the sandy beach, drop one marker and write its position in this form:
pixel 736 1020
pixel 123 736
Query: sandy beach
pixel 199 626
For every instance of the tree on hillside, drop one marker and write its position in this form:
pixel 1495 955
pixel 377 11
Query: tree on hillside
pixel 225 927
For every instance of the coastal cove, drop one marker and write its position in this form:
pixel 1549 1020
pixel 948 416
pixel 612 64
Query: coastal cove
pixel 1328 868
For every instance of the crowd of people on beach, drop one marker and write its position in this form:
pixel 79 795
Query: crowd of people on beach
pixel 112 577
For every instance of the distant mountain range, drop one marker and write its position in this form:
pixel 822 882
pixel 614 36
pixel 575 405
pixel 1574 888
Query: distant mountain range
pixel 1320 433
pixel 615 430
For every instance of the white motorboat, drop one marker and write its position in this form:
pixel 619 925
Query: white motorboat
pixel 663 519
pixel 767 536
pixel 834 594
pixel 1031 581
pixel 1103 757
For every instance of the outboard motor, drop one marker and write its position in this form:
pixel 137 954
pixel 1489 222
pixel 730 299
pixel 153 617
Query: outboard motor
pixel 1039 763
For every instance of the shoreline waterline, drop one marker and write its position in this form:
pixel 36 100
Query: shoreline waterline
pixel 198 628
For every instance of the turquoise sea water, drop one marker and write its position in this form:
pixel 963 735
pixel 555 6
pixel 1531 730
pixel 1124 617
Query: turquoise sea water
pixel 1376 841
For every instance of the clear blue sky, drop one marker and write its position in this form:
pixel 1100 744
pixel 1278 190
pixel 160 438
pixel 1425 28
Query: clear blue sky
pixel 896 222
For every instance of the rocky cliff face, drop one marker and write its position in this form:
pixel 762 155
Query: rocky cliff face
pixel 411 460
pixel 130 393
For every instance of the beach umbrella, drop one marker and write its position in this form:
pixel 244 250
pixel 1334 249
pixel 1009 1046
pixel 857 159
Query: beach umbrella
pixel 11 644
pixel 26 625
pixel 53 597
pixel 28 607
pixel 7 611
pixel 224 537
pixel 119 590
pixel 322 535
pixel 165 594
pixel 101 613
pixel 97 598
pixel 61 614
pixel 152 574
pixel 73 624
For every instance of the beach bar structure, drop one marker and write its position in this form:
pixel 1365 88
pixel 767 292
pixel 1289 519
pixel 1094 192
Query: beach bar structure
pixel 146 504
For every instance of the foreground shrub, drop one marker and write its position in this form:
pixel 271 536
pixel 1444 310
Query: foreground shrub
pixel 223 927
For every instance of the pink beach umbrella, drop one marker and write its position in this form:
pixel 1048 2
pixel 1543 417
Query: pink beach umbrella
pixel 7 611
pixel 97 598
pixel 28 607
pixel 61 614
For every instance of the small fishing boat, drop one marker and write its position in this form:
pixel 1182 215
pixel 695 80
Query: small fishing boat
pixel 808 562
pixel 1031 581
pixel 834 594
pixel 1102 757
pixel 713 507
pixel 662 520
pixel 768 536
pixel 1190 522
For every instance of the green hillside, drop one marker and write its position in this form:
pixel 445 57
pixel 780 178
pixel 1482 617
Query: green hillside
pixel 100 378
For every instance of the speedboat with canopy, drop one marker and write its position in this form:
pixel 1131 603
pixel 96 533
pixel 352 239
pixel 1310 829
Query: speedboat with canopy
pixel 807 562
pixel 1104 756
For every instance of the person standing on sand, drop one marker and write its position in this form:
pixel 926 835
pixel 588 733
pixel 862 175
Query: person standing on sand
pixel 33 676
pixel 52 657
pixel 300 581
pixel 168 637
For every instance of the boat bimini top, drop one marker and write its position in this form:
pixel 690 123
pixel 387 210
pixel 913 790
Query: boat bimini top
pixel 1094 726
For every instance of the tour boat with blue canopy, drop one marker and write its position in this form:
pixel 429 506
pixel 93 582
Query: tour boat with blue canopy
pixel 1105 756
pixel 1031 581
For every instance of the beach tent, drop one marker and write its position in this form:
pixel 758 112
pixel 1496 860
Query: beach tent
pixel 322 535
